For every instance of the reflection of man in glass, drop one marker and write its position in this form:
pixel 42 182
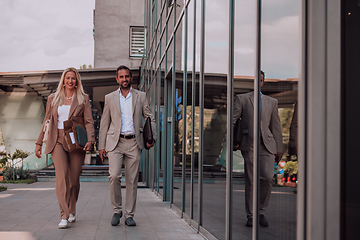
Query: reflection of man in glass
pixel 293 132
pixel 270 146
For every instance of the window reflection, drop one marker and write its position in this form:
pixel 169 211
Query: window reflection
pixel 279 60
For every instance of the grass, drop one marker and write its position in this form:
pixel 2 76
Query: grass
pixel 28 181
pixel 3 188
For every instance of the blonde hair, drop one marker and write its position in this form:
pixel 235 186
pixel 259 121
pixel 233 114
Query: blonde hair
pixel 60 91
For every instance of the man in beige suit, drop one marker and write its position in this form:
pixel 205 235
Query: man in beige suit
pixel 121 135
pixel 270 146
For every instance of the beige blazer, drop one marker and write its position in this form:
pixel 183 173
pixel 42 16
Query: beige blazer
pixel 270 122
pixel 76 110
pixel 110 125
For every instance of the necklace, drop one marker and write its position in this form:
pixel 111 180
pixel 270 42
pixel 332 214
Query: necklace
pixel 68 98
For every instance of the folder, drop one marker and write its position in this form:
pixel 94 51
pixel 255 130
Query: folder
pixel 148 134
pixel 237 133
pixel 81 136
pixel 75 133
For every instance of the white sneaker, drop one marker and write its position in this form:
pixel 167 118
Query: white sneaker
pixel 72 218
pixel 63 224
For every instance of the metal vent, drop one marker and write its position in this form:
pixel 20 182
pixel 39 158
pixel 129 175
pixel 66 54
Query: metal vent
pixel 137 41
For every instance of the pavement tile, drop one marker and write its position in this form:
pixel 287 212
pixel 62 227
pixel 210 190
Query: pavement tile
pixel 172 235
pixel 195 236
pixel 34 209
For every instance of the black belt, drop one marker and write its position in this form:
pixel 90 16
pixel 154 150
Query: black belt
pixel 127 136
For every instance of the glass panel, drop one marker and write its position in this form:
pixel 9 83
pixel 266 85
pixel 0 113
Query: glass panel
pixel 280 41
pixel 179 119
pixel 151 153
pixel 179 7
pixel 191 195
pixel 162 135
pixel 161 103
pixel 163 29
pixel 169 60
pixel 156 155
pixel 215 90
pixel 170 23
pixel 244 49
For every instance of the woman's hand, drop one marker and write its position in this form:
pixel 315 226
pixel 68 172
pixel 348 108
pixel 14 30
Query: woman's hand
pixel 88 146
pixel 38 151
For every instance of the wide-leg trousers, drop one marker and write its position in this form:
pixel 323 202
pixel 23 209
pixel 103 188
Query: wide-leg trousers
pixel 68 167
pixel 267 161
pixel 127 152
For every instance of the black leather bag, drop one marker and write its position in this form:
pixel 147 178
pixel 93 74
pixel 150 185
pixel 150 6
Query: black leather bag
pixel 148 134
pixel 237 134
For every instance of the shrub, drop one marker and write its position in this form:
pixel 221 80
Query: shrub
pixel 20 173
pixel 291 167
pixel 28 181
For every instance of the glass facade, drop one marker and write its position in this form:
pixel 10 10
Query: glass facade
pixel 199 56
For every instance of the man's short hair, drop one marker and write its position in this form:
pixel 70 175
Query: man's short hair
pixel 262 73
pixel 121 67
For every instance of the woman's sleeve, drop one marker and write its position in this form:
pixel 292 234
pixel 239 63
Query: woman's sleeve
pixel 47 116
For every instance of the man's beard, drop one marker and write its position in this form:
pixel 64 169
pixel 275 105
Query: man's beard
pixel 125 87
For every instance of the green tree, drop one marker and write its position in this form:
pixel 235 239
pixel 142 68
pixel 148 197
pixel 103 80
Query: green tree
pixel 3 161
pixel 16 155
pixel 1 138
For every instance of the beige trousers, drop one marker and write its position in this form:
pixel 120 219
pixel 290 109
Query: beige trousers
pixel 267 161
pixel 68 167
pixel 127 152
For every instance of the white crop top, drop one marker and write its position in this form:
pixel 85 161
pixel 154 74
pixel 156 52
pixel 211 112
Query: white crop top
pixel 63 115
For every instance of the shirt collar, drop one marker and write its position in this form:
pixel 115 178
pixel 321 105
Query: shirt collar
pixel 129 95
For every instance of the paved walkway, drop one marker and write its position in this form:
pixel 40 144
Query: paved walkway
pixel 31 211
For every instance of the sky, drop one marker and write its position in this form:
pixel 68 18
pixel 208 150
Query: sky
pixel 55 34
pixel 40 35
pixel 279 45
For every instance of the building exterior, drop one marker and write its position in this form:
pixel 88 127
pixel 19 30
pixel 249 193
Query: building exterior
pixel 118 33
pixel 192 165
pixel 326 205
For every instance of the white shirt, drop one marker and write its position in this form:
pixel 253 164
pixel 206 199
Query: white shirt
pixel 63 115
pixel 127 125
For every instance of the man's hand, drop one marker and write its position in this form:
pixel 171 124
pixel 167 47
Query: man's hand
pixel 38 151
pixel 292 150
pixel 150 145
pixel 102 154
pixel 235 147
pixel 278 157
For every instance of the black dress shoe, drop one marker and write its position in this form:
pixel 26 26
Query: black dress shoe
pixel 249 222
pixel 263 222
pixel 130 222
pixel 116 219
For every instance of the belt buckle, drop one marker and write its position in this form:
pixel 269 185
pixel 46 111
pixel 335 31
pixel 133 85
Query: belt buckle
pixel 131 136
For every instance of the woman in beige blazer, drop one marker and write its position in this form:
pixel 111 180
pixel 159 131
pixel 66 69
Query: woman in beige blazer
pixel 68 101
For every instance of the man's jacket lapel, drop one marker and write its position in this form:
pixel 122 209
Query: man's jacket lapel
pixel 251 97
pixel 116 99
pixel 134 101
pixel 264 106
